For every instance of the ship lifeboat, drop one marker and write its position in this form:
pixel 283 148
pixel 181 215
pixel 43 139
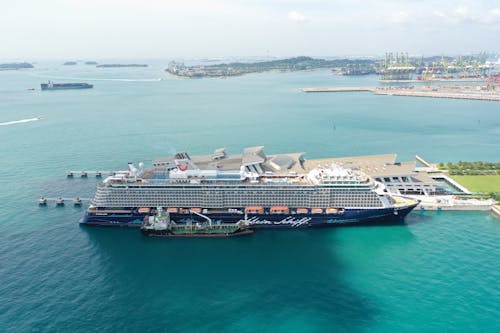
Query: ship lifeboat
pixel 254 210
pixel 279 210
pixel 144 210
pixel 332 211
pixel 317 211
pixel 302 211
pixel 195 210
pixel 172 210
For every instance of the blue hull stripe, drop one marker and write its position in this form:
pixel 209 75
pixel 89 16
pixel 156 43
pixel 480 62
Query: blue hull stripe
pixel 349 217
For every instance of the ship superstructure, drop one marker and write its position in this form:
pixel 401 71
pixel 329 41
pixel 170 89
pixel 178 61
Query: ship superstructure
pixel 281 190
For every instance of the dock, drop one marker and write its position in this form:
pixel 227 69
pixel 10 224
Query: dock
pixel 86 173
pixel 484 92
pixel 62 201
pixel 337 89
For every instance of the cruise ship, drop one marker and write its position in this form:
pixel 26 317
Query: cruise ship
pixel 277 191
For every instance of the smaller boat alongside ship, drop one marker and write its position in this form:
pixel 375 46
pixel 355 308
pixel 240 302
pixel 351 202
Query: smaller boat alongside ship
pixel 63 86
pixel 161 225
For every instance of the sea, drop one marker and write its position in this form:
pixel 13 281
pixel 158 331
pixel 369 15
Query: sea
pixel 438 272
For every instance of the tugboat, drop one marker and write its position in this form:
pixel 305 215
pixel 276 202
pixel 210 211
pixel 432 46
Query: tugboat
pixel 160 225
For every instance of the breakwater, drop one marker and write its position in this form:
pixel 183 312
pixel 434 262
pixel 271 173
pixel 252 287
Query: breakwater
pixel 487 92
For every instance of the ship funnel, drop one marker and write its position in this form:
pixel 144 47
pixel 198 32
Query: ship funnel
pixel 184 162
pixel 133 170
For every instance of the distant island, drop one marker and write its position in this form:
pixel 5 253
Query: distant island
pixel 15 66
pixel 90 62
pixel 70 63
pixel 394 67
pixel 121 65
pixel 241 68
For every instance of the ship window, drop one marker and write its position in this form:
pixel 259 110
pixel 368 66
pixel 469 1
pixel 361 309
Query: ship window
pixel 387 179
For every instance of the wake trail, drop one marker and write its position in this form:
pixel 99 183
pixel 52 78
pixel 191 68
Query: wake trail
pixel 19 121
pixel 97 79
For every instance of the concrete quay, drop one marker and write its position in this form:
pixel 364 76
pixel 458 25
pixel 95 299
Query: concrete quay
pixel 337 89
pixel 495 209
pixel 477 92
pixel 485 92
pixel 451 202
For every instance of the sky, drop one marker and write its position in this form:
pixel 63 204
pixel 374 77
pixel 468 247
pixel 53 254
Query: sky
pixel 98 29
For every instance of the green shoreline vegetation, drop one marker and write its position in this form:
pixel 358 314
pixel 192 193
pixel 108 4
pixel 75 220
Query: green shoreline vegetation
pixel 282 65
pixel 481 177
pixel 471 168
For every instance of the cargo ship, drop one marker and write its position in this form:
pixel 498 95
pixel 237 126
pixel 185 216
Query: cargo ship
pixel 266 191
pixel 62 86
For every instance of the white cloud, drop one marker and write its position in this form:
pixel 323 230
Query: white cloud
pixel 462 11
pixel 463 14
pixel 400 17
pixel 296 16
pixel 439 14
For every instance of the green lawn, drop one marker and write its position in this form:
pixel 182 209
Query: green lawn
pixel 486 184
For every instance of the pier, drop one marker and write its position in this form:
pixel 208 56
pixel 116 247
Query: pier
pixel 85 173
pixel 62 201
pixel 485 92
pixel 338 89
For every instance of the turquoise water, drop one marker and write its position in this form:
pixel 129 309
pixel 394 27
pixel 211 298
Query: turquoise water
pixel 437 273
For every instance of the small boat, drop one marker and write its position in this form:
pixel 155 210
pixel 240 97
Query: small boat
pixel 78 201
pixel 160 225
pixel 42 201
pixel 59 201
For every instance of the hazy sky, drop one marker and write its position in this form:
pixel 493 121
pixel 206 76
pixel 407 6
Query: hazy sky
pixel 88 29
